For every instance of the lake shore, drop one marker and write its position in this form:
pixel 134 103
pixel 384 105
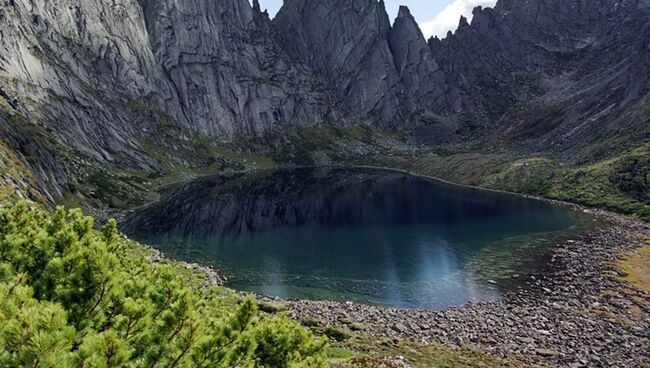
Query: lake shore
pixel 578 314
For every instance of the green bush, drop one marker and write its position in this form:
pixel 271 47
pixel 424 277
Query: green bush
pixel 71 296
pixel 337 333
pixel 310 322
pixel 271 307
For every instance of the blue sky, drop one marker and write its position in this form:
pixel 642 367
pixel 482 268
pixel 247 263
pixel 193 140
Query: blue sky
pixel 435 17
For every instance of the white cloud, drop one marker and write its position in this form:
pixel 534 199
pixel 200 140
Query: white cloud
pixel 447 19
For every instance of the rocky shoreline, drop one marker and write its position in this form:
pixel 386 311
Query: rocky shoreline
pixel 211 275
pixel 576 315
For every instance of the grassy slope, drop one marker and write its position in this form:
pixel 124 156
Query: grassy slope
pixel 16 181
pixel 362 352
pixel 619 184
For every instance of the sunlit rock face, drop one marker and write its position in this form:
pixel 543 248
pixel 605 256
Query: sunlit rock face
pixel 231 77
pixel 210 66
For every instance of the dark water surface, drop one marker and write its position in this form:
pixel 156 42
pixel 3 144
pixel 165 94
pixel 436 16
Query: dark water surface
pixel 354 234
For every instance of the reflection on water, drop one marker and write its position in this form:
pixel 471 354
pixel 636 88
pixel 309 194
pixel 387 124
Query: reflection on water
pixel 366 235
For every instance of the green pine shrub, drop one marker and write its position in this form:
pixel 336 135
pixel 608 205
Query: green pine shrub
pixel 72 296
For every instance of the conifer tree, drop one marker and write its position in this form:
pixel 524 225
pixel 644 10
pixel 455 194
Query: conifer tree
pixel 73 296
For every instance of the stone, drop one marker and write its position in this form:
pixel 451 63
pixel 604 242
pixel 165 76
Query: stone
pixel 400 327
pixel 546 352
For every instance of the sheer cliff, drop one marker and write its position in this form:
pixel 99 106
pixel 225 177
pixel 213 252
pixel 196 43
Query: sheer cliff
pixel 380 72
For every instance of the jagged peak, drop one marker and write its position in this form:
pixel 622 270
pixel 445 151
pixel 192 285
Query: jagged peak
pixel 406 19
pixel 404 12
pixel 481 16
pixel 463 22
pixel 260 15
pixel 434 44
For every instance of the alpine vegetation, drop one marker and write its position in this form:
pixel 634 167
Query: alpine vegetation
pixel 72 296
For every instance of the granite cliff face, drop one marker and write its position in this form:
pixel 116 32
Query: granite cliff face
pixel 230 76
pixel 102 78
pixel 117 83
pixel 420 75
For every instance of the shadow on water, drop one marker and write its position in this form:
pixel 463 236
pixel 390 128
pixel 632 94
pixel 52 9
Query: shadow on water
pixel 355 234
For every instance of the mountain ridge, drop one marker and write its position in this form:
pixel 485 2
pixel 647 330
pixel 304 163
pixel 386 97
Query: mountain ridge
pixel 139 85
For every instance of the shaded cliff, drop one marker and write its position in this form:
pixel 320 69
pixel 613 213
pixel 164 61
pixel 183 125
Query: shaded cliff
pixel 382 73
pixel 346 44
pixel 554 76
pixel 545 75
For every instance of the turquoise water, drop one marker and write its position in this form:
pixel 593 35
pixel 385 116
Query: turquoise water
pixel 365 235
